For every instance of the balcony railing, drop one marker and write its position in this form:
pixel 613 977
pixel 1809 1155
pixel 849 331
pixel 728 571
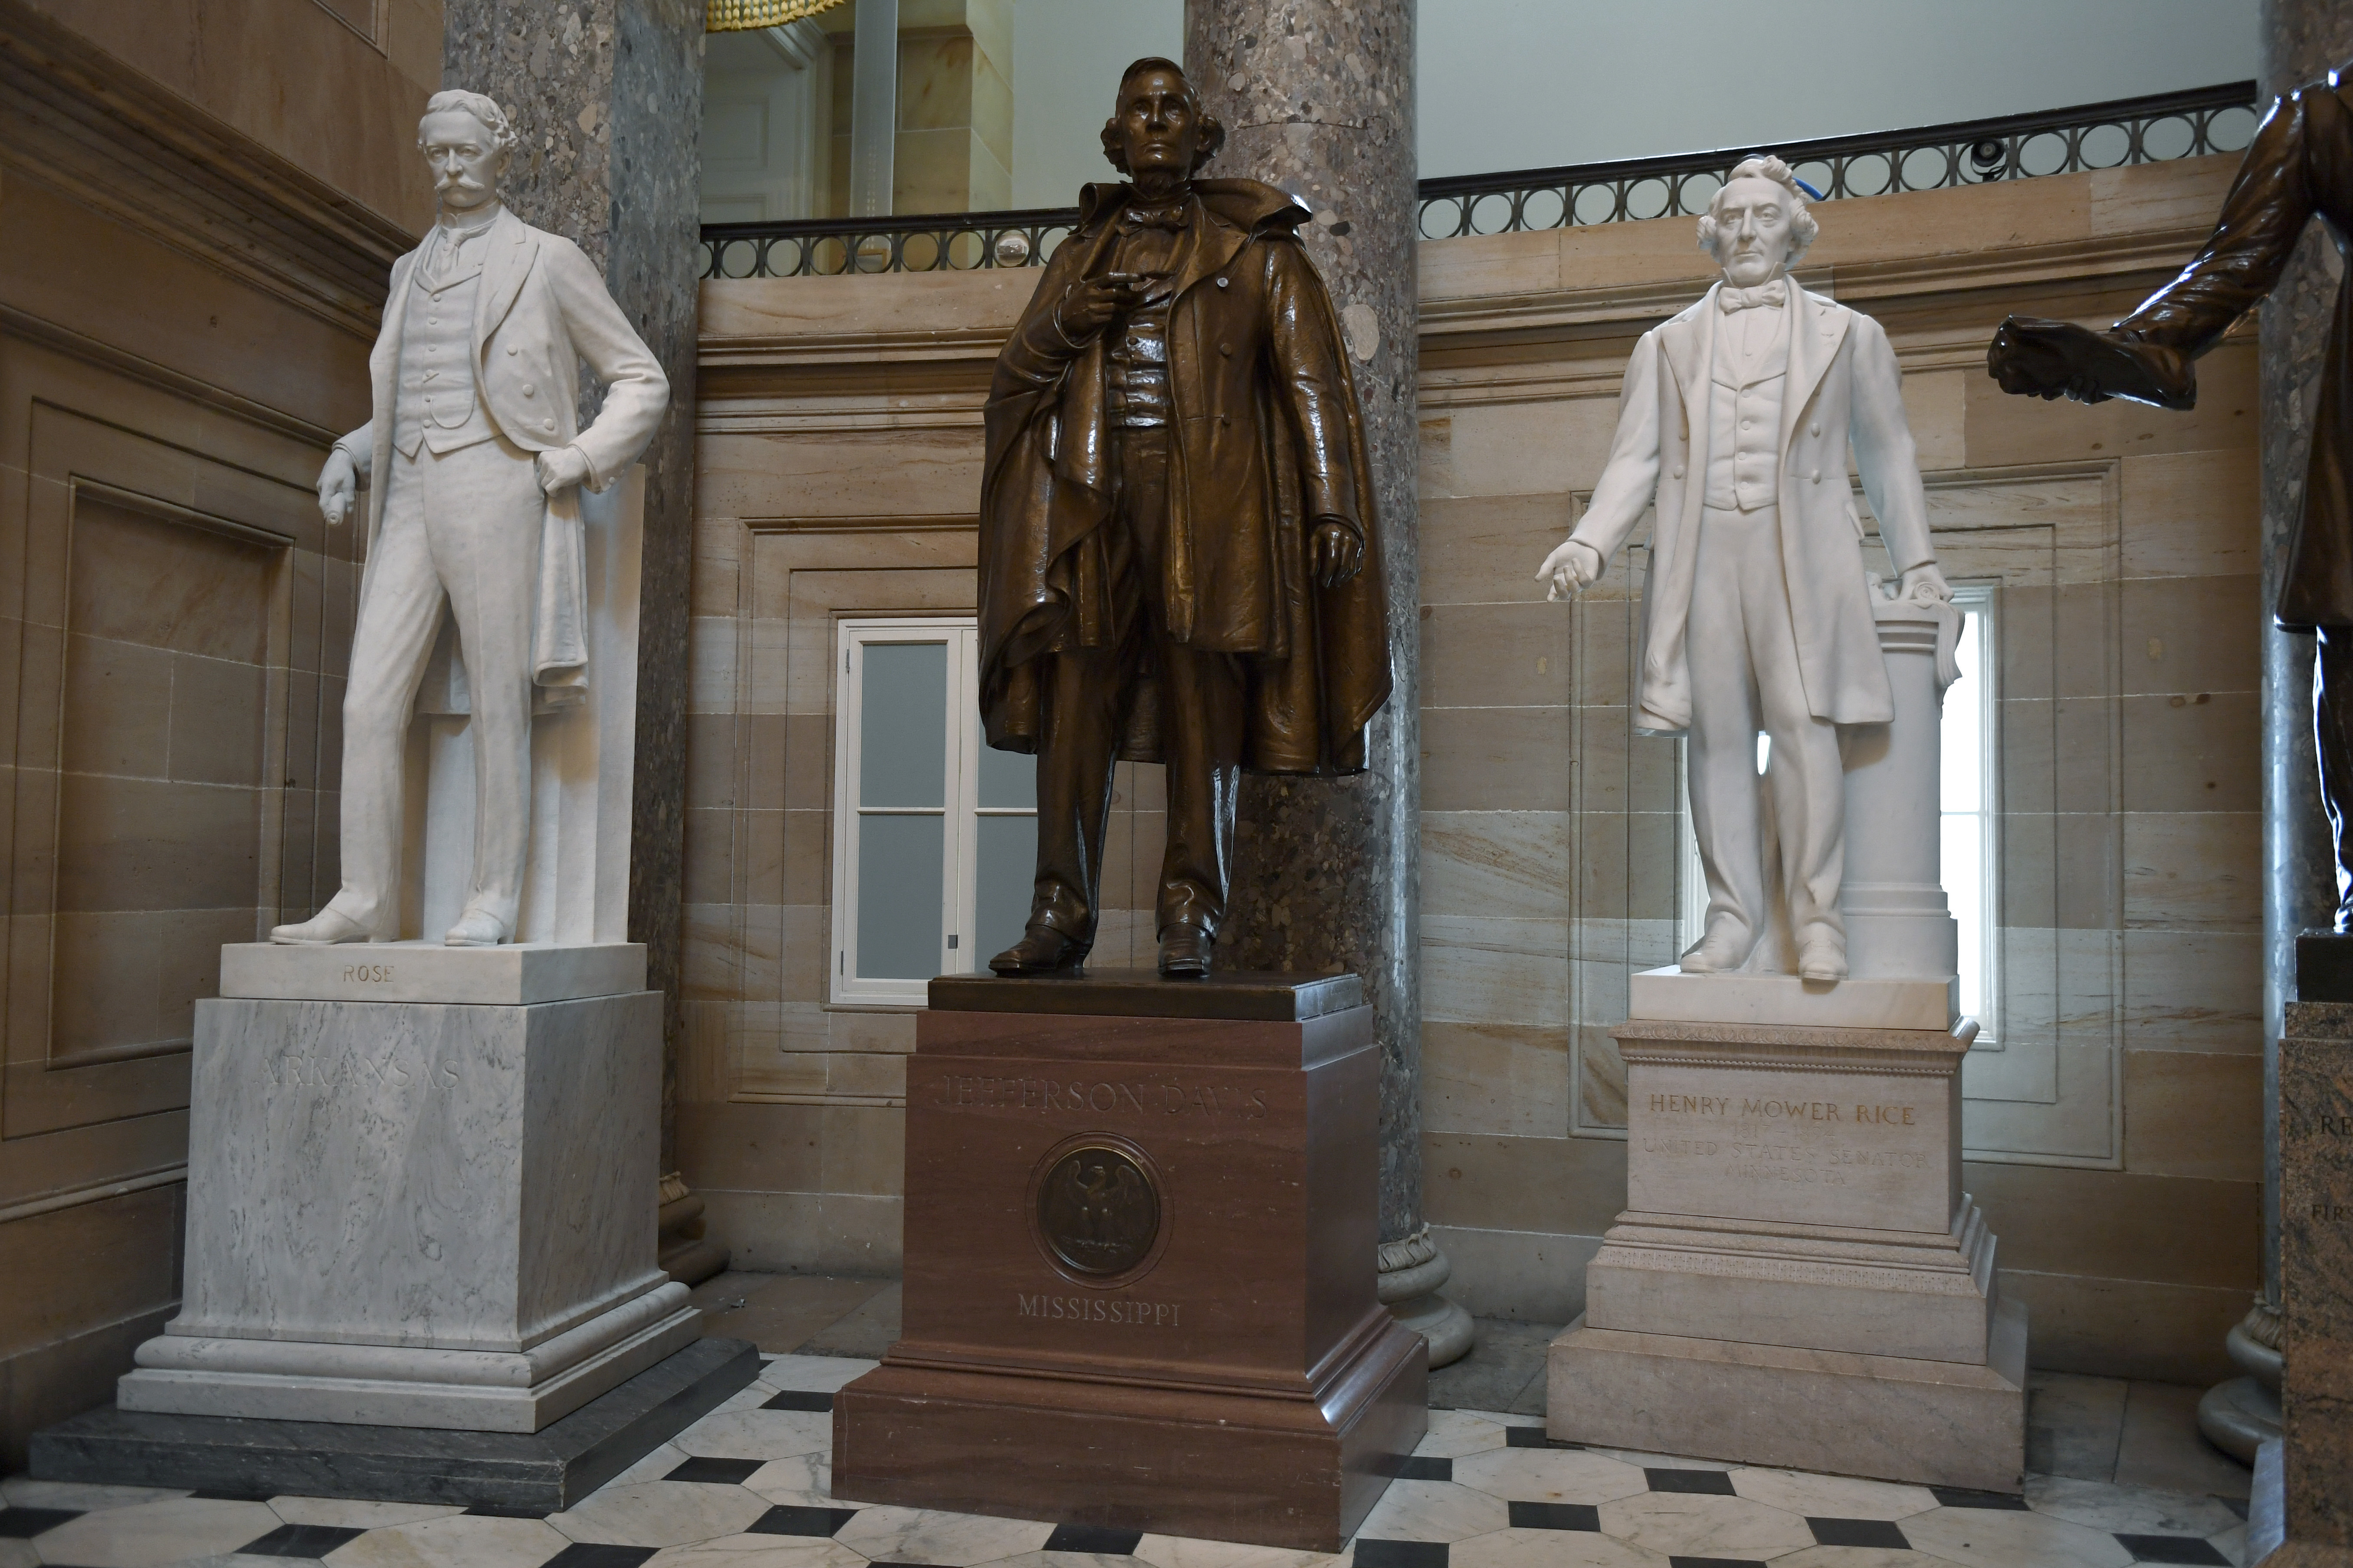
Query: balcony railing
pixel 2150 130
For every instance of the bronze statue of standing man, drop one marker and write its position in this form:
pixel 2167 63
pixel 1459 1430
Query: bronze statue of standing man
pixel 1178 556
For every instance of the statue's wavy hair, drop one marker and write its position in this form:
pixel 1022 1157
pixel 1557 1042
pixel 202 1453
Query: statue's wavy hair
pixel 1803 229
pixel 481 107
pixel 1213 130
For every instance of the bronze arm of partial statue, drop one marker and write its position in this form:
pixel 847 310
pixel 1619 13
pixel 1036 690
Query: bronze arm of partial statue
pixel 2037 357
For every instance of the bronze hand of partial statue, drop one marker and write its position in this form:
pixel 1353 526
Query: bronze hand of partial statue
pixel 1094 303
pixel 2037 358
pixel 1336 553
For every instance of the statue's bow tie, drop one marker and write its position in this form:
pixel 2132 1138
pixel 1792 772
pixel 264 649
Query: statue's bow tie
pixel 1170 218
pixel 1769 295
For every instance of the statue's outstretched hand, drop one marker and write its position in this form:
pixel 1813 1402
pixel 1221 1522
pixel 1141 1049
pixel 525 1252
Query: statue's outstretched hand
pixel 1572 565
pixel 339 486
pixel 2038 358
pixel 1336 553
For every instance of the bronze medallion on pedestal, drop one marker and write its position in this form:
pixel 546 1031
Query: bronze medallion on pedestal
pixel 1096 1207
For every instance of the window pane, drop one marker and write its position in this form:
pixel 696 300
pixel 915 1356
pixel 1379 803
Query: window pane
pixel 1962 788
pixel 1005 867
pixel 1964 867
pixel 903 729
pixel 1008 778
pixel 900 865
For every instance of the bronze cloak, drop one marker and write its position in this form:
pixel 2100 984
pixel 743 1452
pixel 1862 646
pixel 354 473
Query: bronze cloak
pixel 1267 438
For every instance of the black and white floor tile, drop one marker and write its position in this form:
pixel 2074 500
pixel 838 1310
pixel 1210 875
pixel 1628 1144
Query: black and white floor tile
pixel 746 1487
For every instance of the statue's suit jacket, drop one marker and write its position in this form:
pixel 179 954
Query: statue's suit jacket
pixel 1844 383
pixel 540 309
pixel 1267 438
pixel 2299 165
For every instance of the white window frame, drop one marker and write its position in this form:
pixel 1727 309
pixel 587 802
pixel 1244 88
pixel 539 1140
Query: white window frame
pixel 1983 693
pixel 960 847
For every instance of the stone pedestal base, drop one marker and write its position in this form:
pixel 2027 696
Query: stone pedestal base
pixel 1798 1279
pixel 411 1213
pixel 1937 1423
pixel 537 1473
pixel 1140 1256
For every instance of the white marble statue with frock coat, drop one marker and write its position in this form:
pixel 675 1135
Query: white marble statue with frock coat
pixel 1736 417
pixel 475 459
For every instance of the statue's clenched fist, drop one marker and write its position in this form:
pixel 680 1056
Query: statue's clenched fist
pixel 1572 565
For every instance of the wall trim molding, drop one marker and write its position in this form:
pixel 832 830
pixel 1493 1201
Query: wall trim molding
pixel 43 333
pixel 106 137
pixel 95 1192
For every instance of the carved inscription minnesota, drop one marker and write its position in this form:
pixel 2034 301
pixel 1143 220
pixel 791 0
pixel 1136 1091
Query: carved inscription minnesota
pixel 1101 1097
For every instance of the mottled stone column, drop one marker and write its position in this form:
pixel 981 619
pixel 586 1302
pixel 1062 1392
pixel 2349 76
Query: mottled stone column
pixel 1317 97
pixel 607 96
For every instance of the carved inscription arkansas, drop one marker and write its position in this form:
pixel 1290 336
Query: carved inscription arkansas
pixel 1101 1097
pixel 357 1068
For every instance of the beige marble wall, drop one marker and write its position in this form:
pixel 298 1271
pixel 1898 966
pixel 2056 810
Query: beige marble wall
pixel 331 86
pixel 2114 1138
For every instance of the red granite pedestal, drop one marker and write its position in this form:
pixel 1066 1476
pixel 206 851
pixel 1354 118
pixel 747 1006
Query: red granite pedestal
pixel 1140 1233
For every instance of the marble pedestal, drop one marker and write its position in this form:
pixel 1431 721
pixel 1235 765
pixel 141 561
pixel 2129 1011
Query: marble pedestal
pixel 415 1213
pixel 2303 1502
pixel 1799 1279
pixel 1140 1264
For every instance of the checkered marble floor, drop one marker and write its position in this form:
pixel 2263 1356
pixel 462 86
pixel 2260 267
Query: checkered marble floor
pixel 745 1487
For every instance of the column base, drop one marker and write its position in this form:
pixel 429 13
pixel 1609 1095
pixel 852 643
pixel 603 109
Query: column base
pixel 1927 1421
pixel 398 1385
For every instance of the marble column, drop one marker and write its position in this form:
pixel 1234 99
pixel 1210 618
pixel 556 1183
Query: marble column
pixel 1317 97
pixel 2301 39
pixel 607 96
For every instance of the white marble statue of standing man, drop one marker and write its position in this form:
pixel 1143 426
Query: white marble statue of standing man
pixel 1736 417
pixel 474 460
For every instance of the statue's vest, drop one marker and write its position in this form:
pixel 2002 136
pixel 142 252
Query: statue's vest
pixel 439 404
pixel 1744 417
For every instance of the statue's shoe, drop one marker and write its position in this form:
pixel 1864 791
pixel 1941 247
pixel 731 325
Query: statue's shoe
pixel 1822 957
pixel 326 929
pixel 476 928
pixel 1043 950
pixel 1722 950
pixel 1185 953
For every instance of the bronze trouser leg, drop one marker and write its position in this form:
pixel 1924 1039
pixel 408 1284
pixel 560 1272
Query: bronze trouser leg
pixel 2332 725
pixel 1087 695
pixel 1201 721
pixel 1202 711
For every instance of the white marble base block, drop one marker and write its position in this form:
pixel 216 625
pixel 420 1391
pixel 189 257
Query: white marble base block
pixel 418 1213
pixel 1797 1256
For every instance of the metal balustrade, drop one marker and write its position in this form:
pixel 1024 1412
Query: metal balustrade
pixel 2151 130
